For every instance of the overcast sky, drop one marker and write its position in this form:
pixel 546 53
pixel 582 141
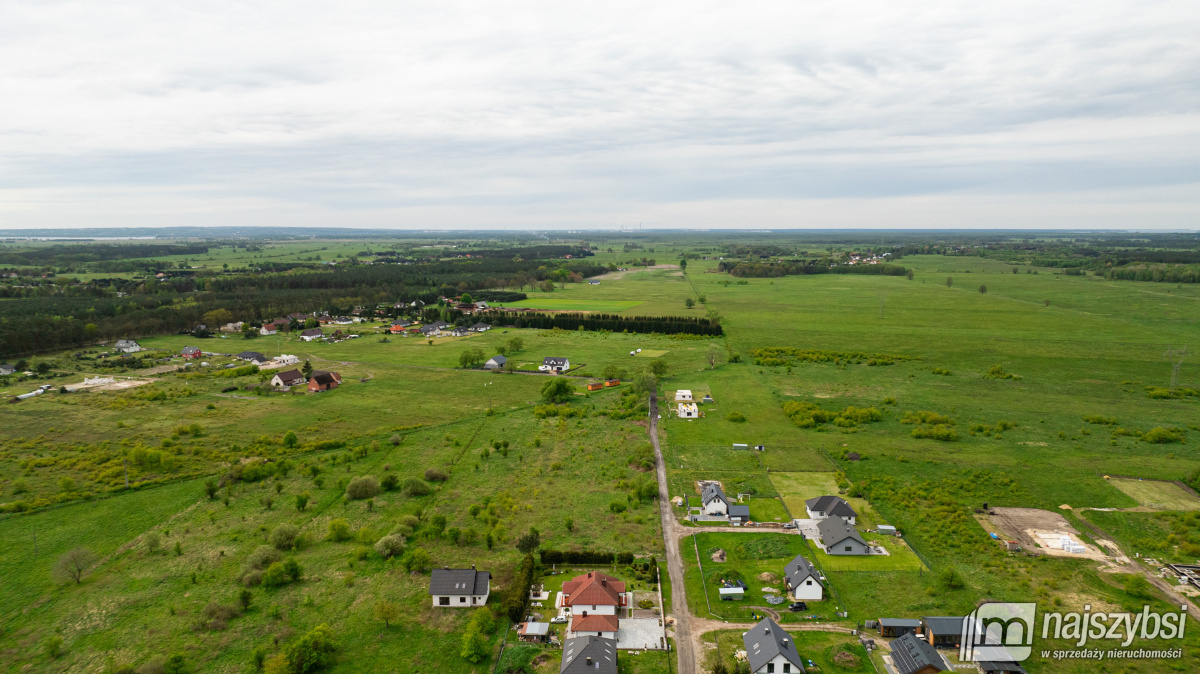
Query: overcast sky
pixel 537 115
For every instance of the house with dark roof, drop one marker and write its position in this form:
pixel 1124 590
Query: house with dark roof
pixel 739 514
pixel 891 628
pixel 460 331
pixel 802 580
pixel 398 326
pixel 554 364
pixel 434 328
pixel 713 500
pixel 839 538
pixel 288 378
pixel 480 327
pixel 311 334
pixel 1006 665
pixel 589 655
pixel 943 631
pixel 251 357
pixel 323 381
pixel 459 588
pixel 495 363
pixel 910 655
pixel 822 507
pixel 128 346
pixel 7 369
pixel 191 352
pixel 770 649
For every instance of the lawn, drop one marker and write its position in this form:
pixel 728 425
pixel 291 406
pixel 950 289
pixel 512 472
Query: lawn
pixel 817 650
pixel 797 488
pixel 900 557
pixel 1157 494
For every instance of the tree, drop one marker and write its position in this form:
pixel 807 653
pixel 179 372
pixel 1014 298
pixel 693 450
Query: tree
pixel 42 367
pixel 644 383
pixel 53 646
pixel 471 357
pixel 218 317
pixel 388 611
pixel 909 274
pixel 210 488
pixel 1137 586
pixel 310 322
pixel 339 530
pixel 683 265
pixel 614 371
pixel 153 542
pixel 515 345
pixel 245 597
pixel 510 366
pixel 366 486
pixel 416 560
pixel 290 440
pixel 474 644
pixel 466 298
pixel 390 546
pixel 570 524
pixel 658 367
pixel 529 542
pixel 307 370
pixel 302 501
pixel 982 290
pixel 689 302
pixel 312 651
pixel 557 390
pixel 284 536
pixel 949 281
pixel 72 564
pixel 713 356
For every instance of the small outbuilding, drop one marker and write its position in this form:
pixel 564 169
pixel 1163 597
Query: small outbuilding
pixel 731 593
pixel 943 631
pixel 495 363
pixel 683 395
pixel 893 628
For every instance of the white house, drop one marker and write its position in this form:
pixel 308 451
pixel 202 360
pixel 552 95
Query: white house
pixel 285 359
pixel 771 650
pixel 310 335
pixel 830 506
pixel 713 500
pixel 495 363
pixel 552 364
pixel 802 581
pixel 268 329
pixel 595 600
pixel 839 538
pixel 459 588
pixel 289 378
pixel 128 346
pixel 688 411
pixel 683 395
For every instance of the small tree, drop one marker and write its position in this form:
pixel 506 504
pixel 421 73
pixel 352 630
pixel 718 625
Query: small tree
pixel 52 646
pixel 395 440
pixel 388 611
pixel 339 530
pixel 72 564
pixel 557 390
pixel 949 281
pixel 389 482
pixel 210 488
pixel 570 524
pixel 683 265
pixel 284 536
pixel 153 542
pixel 290 440
pixel 312 651
pixel 390 546
pixel 982 290
pixel 302 501
pixel 366 486
pixel 307 370
pixel 689 302
pixel 658 367
pixel 644 383
pixel 529 542
pixel 471 357
pixel 713 356
pixel 416 560
pixel 245 597
pixel 515 345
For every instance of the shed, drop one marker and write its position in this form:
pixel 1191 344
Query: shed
pixel 594 386
pixel 898 627
pixel 612 382
pixel 886 530
pixel 495 363
pixel 739 513
pixel 731 593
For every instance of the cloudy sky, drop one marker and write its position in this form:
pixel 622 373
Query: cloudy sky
pixel 561 115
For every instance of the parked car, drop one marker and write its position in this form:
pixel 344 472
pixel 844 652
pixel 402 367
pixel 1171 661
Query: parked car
pixel 790 525
pixel 558 620
pixel 798 606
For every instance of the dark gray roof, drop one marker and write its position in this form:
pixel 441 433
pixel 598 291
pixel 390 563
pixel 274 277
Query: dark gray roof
pixel 767 640
pixel 577 651
pixel 712 492
pixel 944 624
pixel 739 511
pixel 125 343
pixel 899 622
pixel 1001 666
pixel 312 332
pixel 832 506
pixel 552 360
pixel 459 581
pixel 250 355
pixel 910 654
pixel 290 375
pixel 834 530
pixel 480 326
pixel 499 360
pixel 800 568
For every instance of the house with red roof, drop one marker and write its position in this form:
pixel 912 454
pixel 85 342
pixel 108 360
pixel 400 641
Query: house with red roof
pixel 595 601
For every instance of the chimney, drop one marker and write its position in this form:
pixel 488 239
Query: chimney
pixel 785 641
pixel 603 582
pixel 473 567
pixel 589 662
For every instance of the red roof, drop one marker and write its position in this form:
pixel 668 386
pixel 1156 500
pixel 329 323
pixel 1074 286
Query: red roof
pixel 593 588
pixel 595 623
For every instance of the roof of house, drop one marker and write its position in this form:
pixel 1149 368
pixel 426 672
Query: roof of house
pixel 712 491
pixel 323 379
pixel 250 355
pixel 459 581
pixel 534 629
pixel 601 651
pixel 480 326
pixel 191 349
pixel 767 640
pixel 899 622
pixel 739 511
pixel 799 569
pixel 595 622
pixel 910 654
pixel 125 343
pixel 1001 666
pixel 593 588
pixel 943 624
pixel 832 506
pixel 312 332
pixel 290 375
pixel 403 324
pixel 551 360
pixel 499 360
pixel 834 530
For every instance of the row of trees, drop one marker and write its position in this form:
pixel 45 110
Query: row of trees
pixel 667 325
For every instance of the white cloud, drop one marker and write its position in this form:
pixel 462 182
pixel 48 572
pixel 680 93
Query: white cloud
pixel 462 114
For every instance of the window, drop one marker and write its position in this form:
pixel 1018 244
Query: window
pixel 462 600
pixel 443 601
pixel 787 668
pixel 770 668
pixel 849 549
pixel 808 582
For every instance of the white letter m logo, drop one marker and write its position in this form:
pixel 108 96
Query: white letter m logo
pixel 998 632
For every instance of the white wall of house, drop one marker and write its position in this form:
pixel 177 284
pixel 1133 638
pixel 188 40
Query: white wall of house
pixel 779 665
pixel 459 600
pixel 847 547
pixel 592 609
pixel 808 590
pixel 716 507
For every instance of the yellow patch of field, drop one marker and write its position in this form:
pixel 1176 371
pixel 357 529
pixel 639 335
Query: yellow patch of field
pixel 651 353
pixel 1157 494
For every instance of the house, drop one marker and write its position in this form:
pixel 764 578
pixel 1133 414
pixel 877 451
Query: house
pixel 891 628
pixel 683 395
pixel 910 655
pixel 465 307
pixel 802 581
pixel 322 381
pixel 128 346
pixel 459 588
pixel 839 538
pixel 589 655
pixel 713 500
pixel 297 316
pixel 7 369
pixel 398 326
pixel 233 327
pixel 495 363
pixel 771 650
pixel 594 599
pixel 943 631
pixel 280 322
pixel 552 364
pixel 337 378
pixel 822 507
pixel 251 356
pixel 599 624
pixel 533 633
pixel 1005 666
pixel 191 352
pixel 289 378
pixel 434 328
pixel 480 327
pixel 688 411
pixel 342 320
pixel 739 514
pixel 268 329
pixel 285 359
pixel 461 331
pixel 311 334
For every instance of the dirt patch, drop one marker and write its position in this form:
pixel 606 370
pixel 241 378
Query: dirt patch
pixel 108 384
pixel 718 556
pixel 768 577
pixel 1039 531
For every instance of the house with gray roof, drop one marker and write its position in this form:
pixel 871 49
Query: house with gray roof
pixel 128 346
pixel 911 655
pixel 495 363
pixel 822 507
pixel 251 357
pixel 712 498
pixel 771 649
pixel 802 580
pixel 943 631
pixel 839 538
pixel 555 364
pixel 891 628
pixel 459 588
pixel 589 655
pixel 739 514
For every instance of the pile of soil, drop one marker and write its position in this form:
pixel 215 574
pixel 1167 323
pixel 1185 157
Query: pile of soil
pixel 719 555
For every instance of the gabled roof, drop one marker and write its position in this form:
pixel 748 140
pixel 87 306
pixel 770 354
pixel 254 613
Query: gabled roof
pixel 799 569
pixel 832 506
pixel 910 654
pixel 899 622
pixel 552 360
pixel 767 640
pixel 323 379
pixel 739 511
pixel 499 360
pixel 480 326
pixel 713 492
pixel 834 530
pixel 944 624
pixel 250 355
pixel 534 629
pixel 459 581
pixel 1001 666
pixel 595 622
pixel 577 651
pixel 290 375
pixel 191 349
pixel 125 343
pixel 312 332
pixel 403 324
pixel 593 588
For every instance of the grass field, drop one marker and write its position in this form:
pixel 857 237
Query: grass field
pixel 556 304
pixel 797 488
pixel 899 558
pixel 1156 494
pixel 817 649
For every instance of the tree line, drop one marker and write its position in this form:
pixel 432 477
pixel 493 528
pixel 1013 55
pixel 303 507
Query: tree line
pixel 666 325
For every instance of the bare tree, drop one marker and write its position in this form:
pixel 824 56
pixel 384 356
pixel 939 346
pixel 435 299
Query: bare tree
pixel 71 565
pixel 1176 356
pixel 713 355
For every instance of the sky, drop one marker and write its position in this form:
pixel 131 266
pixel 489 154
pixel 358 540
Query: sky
pixel 540 115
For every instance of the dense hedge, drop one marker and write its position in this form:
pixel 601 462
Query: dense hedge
pixel 600 557
pixel 666 325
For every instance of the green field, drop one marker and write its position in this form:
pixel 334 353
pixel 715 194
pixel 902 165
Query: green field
pixel 818 647
pixel 1156 494
pixel 556 304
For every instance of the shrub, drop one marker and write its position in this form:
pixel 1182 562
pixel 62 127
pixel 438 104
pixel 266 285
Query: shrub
pixel 275 575
pixel 262 557
pixel 339 530
pixel 415 487
pixel 557 390
pixel 302 501
pixel 618 507
pixel 997 372
pixel 52 646
pixel 366 486
pixel 435 475
pixel 938 432
pixel 312 651
pixel 252 578
pixel 390 546
pixel 389 482
pixel 1098 419
pixel 736 417
pixel 1159 435
pixel 925 418
pixel 416 560
pixel 284 536
pixel 530 541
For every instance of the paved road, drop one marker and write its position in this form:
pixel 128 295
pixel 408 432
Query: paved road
pixel 684 647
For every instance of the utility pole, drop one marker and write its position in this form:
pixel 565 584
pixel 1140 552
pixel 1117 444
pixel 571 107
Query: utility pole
pixel 1176 356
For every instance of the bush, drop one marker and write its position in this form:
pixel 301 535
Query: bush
pixel 415 487
pixel 617 507
pixel 1098 419
pixel 389 482
pixel 736 417
pixel 284 536
pixel 1159 435
pixel 938 432
pixel 390 546
pixel 557 390
pixel 262 557
pixel 925 418
pixel 366 486
pixel 339 530
pixel 312 651
pixel 435 475
pixel 276 575
pixel 252 578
